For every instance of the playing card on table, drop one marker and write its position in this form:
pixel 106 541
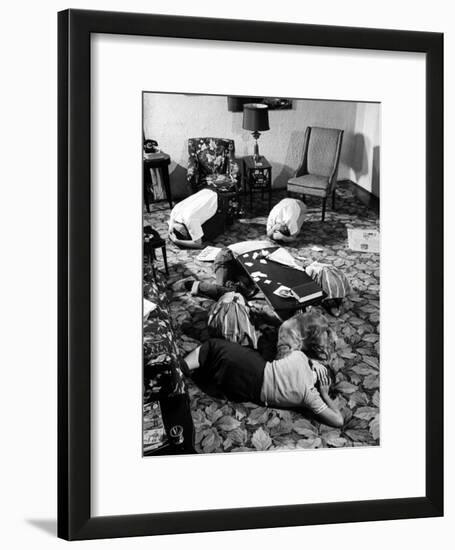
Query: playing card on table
pixel 284 292
pixel 249 264
pixel 258 274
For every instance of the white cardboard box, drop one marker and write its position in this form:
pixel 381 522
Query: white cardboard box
pixel 363 240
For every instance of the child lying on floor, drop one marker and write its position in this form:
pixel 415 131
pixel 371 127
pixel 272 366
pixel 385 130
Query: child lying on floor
pixel 229 276
pixel 243 375
pixel 334 283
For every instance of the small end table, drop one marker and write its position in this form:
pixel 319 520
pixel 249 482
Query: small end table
pixel 257 177
pixel 159 162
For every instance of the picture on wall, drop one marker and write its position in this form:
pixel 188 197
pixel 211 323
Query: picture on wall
pixel 261 274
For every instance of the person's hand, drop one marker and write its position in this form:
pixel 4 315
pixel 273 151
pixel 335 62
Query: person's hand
pixel 322 374
pixel 324 389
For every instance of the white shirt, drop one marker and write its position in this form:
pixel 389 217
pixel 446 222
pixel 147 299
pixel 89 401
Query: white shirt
pixel 195 210
pixel 290 212
pixel 289 382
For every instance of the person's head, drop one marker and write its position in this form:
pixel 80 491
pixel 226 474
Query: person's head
pixel 318 339
pixel 289 337
pixel 279 230
pixel 181 232
pixel 284 230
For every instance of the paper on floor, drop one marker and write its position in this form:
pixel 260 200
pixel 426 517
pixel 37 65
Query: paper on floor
pixel 208 254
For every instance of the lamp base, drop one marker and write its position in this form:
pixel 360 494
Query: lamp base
pixel 256 155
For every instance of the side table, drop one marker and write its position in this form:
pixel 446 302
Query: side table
pixel 159 162
pixel 257 177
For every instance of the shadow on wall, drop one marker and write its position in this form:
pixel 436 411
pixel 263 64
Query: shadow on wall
pixel 375 183
pixel 359 158
pixel 178 182
pixel 292 161
pixel 364 160
pixel 243 139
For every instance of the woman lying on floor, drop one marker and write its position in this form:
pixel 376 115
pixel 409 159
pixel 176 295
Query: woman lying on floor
pixel 243 375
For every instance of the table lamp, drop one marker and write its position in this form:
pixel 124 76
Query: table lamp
pixel 256 120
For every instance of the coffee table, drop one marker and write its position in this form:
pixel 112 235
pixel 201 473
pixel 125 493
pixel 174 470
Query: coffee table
pixel 278 275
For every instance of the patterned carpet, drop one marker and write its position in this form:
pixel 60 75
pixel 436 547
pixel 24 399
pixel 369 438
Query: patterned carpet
pixel 222 426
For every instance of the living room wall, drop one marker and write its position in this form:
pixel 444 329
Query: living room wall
pixel 173 118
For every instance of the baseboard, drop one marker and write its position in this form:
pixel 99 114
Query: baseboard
pixel 364 196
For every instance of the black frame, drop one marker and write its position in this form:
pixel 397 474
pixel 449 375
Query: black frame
pixel 74 516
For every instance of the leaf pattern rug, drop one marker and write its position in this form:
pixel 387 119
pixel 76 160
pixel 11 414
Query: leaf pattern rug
pixel 223 426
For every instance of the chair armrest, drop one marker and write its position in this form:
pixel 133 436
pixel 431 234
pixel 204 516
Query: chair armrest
pixel 192 172
pixel 234 170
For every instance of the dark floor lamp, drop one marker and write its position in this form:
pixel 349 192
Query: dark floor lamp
pixel 256 120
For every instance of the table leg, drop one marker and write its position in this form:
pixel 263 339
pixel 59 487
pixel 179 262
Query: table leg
pixel 146 181
pixel 167 185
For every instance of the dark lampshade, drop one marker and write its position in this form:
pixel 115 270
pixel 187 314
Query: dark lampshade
pixel 255 117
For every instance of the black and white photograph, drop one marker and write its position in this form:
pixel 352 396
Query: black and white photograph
pixel 261 273
pixel 226 234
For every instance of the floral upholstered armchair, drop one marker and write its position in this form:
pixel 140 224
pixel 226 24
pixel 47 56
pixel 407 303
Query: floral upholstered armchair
pixel 211 163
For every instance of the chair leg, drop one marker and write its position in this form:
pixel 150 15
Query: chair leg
pixel 324 201
pixel 333 199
